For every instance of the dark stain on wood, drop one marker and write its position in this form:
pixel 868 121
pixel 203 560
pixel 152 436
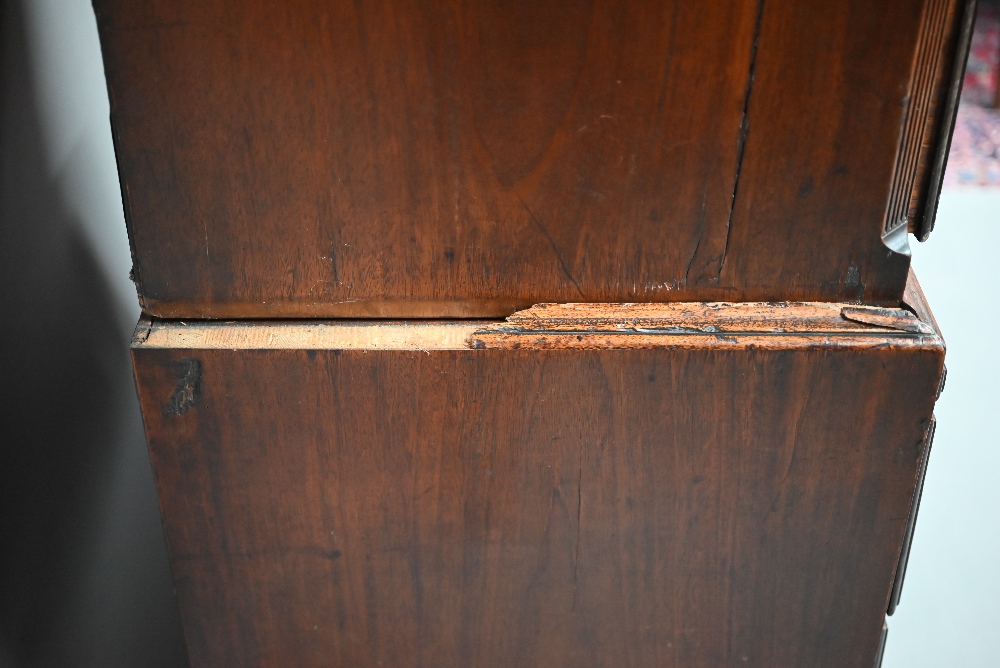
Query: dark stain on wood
pixel 187 392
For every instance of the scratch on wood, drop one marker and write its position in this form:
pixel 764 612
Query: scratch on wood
pixel 188 391
pixel 579 514
pixel 555 249
pixel 687 268
pixel 744 133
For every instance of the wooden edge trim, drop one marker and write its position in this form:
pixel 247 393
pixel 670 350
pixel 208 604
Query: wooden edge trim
pixel 746 341
pixel 946 122
pixel 713 317
pixel 915 300
pixel 911 521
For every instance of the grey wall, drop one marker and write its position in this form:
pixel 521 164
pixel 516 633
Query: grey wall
pixel 949 614
pixel 83 573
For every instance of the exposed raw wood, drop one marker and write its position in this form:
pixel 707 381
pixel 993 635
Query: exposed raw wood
pixel 546 325
pixel 310 335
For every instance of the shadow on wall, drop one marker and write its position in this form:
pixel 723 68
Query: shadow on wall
pixel 83 572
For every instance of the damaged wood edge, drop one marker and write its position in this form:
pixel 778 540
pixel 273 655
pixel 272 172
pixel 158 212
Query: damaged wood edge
pixel 142 329
pixel 915 301
pixel 890 318
pixel 738 341
pixel 714 317
pixel 572 326
pixel 375 336
pixel 311 335
pixel 786 325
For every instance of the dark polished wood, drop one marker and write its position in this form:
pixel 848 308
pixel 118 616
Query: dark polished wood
pixel 577 486
pixel 436 158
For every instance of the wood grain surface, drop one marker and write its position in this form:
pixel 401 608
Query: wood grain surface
pixel 691 505
pixel 435 158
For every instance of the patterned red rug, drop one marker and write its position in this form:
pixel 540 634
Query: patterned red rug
pixel 974 160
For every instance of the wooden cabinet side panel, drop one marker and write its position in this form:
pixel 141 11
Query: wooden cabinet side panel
pixel 830 92
pixel 558 508
pixel 422 159
pixel 442 159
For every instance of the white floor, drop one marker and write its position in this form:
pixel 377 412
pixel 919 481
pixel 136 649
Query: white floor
pixel 949 614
